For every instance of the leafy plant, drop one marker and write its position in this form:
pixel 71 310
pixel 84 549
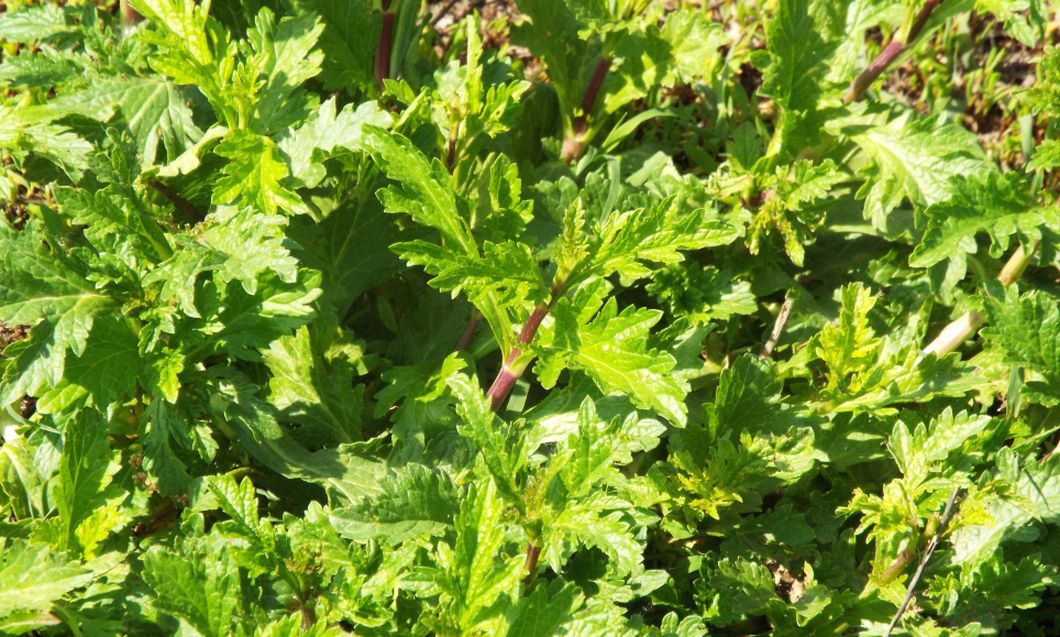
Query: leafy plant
pixel 594 317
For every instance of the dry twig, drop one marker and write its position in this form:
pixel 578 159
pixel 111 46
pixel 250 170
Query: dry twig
pixel 932 545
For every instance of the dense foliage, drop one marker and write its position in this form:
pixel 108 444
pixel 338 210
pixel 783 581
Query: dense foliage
pixel 593 317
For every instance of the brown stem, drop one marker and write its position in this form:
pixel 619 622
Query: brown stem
pixel 932 545
pixel 574 145
pixel 386 41
pixel 129 16
pixel 450 158
pixel 533 552
pixel 889 53
pixel 180 203
pixel 778 328
pixel 513 367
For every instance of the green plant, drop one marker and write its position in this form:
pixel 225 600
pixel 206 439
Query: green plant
pixel 316 322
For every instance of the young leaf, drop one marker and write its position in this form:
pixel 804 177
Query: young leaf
pixel 612 348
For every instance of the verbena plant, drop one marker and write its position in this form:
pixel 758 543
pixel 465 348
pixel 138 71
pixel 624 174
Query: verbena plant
pixel 316 322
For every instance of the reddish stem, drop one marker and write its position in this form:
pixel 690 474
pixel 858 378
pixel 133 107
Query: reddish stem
pixel 469 332
pixel 533 552
pixel 129 16
pixel 889 54
pixel 386 39
pixel 450 158
pixel 574 145
pixel 511 370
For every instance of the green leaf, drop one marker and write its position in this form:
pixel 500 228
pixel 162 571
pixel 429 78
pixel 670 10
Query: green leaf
pixel 702 294
pixel 33 578
pixel 86 468
pixel 157 113
pixel 694 43
pixel 503 455
pixel 924 449
pixel 43 283
pixel 284 55
pixel 995 204
pixel 422 189
pixel 914 159
pixel 25 132
pixel 251 243
pixel 612 348
pixel 160 460
pixel 30 23
pixel 734 589
pixel 1027 330
pixel 110 367
pixel 656 234
pixel 254 174
pixel 1026 26
pixel 793 205
pixel 1034 494
pixel 347 23
pixel 312 384
pixel 346 469
pixel 202 591
pixel 479 579
pixel 414 500
pixel 544 611
pixel 798 53
pixel 324 132
pixel 351 248
pixel 849 345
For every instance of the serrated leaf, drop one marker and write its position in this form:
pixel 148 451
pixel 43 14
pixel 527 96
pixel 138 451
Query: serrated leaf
pixel 997 205
pixel 414 500
pixel 479 578
pixel 1027 329
pixel 324 132
pixel 345 469
pixel 612 348
pixel 346 66
pixel 156 111
pixel 254 175
pixel 201 591
pixel 85 471
pixel 656 234
pixel 422 189
pixel 31 131
pixel 798 54
pixel 33 578
pixel 849 345
pixel 914 159
pixel 252 244
pixel 29 23
pixel 44 284
pixel 312 385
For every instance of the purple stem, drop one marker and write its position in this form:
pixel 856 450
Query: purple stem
pixel 574 146
pixel 469 332
pixel 889 54
pixel 386 37
pixel 129 16
pixel 512 370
